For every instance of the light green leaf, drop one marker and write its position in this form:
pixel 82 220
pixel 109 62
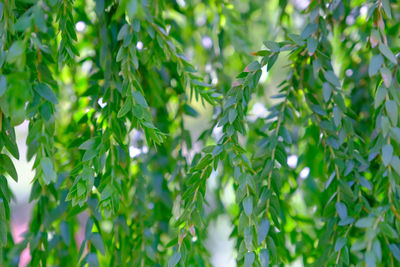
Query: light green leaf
pixel 386 8
pixel 395 163
pixel 175 258
pixel 375 64
pixel 386 76
pixel 140 99
pixel 249 259
pixel 248 206
pixel 340 242
pixel 98 243
pixel 387 53
pixel 311 45
pixel 16 50
pixel 126 107
pixel 3 85
pixel 45 91
pixel 365 222
pixel 308 30
pixel 380 96
pixel 370 259
pixel 341 210
pixel 49 175
pixel 331 77
pixel 388 230
pixel 327 91
pixel 337 116
pixel 387 154
pixel 132 8
pixel 392 111
pixel 395 251
pixel 232 115
pixel 264 257
pixel 262 230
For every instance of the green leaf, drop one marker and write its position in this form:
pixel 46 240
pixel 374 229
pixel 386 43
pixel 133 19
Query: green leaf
pixel 386 8
pixel 395 251
pixel 340 242
pixel 392 111
pixel 140 99
pixel 370 259
pixel 380 96
pixel 264 258
pixel 395 163
pixel 386 76
pixel 365 222
pixel 10 144
pixel 308 30
pixel 385 125
pixel 217 150
pixel 358 245
pixel 175 258
pixel 337 116
pixel 98 243
pixel 232 115
pixel 387 154
pixel 16 51
pixel 123 32
pixel 341 210
pixel 132 8
pixel 126 107
pixel 49 175
pixel 331 77
pixel 248 206
pixel 253 66
pixel 388 230
pixel 312 44
pixel 375 65
pixel 92 260
pixel 45 91
pixel 248 238
pixel 7 165
pixel 88 144
pixel 263 230
pixel 190 111
pixel 249 259
pixel 327 91
pixel 395 134
pixel 376 247
pixel 387 53
pixel 274 47
pixel 3 85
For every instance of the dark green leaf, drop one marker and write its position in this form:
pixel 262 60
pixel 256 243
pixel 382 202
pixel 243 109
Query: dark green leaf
pixel 8 166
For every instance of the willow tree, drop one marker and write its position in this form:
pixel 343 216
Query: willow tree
pixel 109 87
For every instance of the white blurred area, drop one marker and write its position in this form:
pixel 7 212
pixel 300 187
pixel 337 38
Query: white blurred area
pixel 20 206
pixel 22 189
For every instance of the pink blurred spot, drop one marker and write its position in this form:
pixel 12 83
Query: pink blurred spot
pixel 17 229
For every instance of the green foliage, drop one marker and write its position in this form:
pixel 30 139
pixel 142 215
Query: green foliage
pixel 137 74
